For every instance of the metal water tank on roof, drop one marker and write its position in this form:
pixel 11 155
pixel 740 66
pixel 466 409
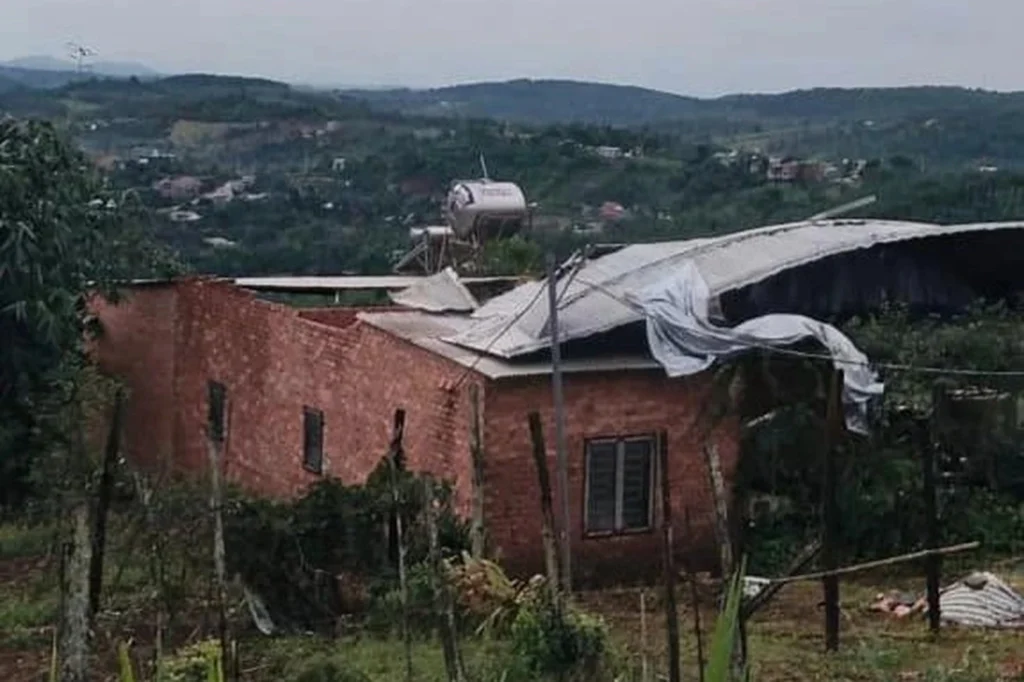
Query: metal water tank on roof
pixel 486 208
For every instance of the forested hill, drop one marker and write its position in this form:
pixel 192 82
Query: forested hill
pixel 552 101
pixel 540 101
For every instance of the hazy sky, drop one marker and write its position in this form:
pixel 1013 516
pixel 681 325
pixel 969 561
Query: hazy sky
pixel 700 47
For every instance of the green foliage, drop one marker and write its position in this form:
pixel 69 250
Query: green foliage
pixel 881 499
pixel 200 662
pixel 547 642
pixel 63 234
pixel 329 553
pixel 723 640
pixel 325 669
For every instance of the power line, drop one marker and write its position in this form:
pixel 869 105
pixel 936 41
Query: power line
pixel 576 263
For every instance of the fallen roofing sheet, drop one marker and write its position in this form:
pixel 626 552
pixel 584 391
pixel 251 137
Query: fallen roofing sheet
pixel 600 294
pixel 982 600
pixel 439 293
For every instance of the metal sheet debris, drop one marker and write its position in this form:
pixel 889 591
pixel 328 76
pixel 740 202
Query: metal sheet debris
pixel 685 341
pixel 439 293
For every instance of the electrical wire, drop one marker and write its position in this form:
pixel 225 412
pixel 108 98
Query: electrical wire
pixel 893 366
pixel 577 261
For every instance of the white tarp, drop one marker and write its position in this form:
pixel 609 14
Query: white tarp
pixel 684 341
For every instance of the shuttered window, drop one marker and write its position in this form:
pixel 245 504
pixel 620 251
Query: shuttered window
pixel 619 482
pixel 313 440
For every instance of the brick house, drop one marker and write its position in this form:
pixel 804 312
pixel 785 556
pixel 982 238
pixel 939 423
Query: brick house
pixel 296 394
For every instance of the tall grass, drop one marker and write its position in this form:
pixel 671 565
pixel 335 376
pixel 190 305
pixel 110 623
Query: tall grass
pixel 719 665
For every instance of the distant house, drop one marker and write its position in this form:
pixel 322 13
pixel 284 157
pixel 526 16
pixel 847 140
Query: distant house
pixel 606 152
pixel 179 188
pixel 611 211
pixel 182 216
pixel 338 164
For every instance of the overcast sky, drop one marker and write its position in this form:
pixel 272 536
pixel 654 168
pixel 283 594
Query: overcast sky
pixel 700 47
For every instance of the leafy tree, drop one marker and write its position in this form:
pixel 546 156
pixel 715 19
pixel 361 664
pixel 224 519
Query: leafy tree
pixel 63 235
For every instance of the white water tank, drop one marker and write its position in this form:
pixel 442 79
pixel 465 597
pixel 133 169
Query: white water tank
pixel 485 207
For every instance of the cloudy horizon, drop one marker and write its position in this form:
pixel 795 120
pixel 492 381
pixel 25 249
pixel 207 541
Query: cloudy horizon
pixel 701 48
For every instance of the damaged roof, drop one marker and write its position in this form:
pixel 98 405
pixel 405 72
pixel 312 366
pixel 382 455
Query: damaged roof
pixel 595 296
pixel 427 330
pixel 439 293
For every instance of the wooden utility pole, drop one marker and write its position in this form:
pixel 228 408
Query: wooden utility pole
pixel 830 514
pixel 933 564
pixel 540 460
pixel 476 452
pixel 562 463
pixel 668 561
pixel 394 457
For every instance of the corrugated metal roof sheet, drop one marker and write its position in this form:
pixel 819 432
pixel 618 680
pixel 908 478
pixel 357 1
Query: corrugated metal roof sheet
pixel 440 293
pixel 426 331
pixel 591 298
pixel 982 600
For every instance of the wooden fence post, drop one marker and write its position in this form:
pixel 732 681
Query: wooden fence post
pixel 540 460
pixel 830 513
pixel 476 451
pixel 933 564
pixel 395 455
pixel 698 633
pixel 103 498
pixel 443 607
pixel 219 561
pixel 668 561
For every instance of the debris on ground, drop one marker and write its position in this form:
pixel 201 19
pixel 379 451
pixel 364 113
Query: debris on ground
pixel 981 599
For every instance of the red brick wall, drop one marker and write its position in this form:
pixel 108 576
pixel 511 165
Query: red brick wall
pixel 169 341
pixel 596 405
pixel 137 344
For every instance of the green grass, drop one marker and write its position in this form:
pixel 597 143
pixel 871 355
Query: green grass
pixel 19 541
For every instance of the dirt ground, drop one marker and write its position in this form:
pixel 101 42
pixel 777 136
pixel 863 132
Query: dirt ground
pixel 785 640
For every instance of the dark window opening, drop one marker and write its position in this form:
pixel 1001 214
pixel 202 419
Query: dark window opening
pixel 217 396
pixel 313 440
pixel 619 484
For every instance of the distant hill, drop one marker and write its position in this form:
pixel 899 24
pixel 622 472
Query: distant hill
pixel 553 101
pixel 100 68
pixel 538 101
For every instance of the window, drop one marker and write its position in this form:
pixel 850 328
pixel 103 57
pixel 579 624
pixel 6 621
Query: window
pixel 216 397
pixel 619 483
pixel 313 440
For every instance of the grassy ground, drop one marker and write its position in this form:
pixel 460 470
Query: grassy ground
pixel 785 640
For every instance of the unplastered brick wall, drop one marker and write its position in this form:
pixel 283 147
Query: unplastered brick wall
pixel 169 342
pixel 137 345
pixel 599 405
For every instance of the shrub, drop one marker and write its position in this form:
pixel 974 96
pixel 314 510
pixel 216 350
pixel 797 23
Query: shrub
pixel 549 643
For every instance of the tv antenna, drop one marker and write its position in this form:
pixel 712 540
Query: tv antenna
pixel 78 54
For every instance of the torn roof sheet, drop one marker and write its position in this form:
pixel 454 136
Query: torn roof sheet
pixel 439 293
pixel 596 296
